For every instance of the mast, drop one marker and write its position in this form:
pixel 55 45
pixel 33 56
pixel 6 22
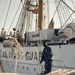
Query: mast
pixel 40 15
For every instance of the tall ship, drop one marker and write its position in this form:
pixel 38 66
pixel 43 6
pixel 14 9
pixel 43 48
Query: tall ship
pixel 21 52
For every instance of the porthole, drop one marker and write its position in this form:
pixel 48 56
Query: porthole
pixel 17 66
pixel 12 65
pixel 23 67
pixel 27 68
pixel 34 69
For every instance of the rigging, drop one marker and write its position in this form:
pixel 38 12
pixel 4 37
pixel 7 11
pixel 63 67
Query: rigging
pixel 14 16
pixel 64 13
pixel 20 23
pixel 7 14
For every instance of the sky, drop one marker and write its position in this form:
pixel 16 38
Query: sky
pixel 12 10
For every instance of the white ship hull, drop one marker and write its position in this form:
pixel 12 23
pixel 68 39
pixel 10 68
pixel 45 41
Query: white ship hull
pixel 32 20
pixel 29 64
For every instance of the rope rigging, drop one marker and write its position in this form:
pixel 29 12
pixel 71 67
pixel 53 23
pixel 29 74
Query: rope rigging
pixel 64 13
pixel 70 18
pixel 14 17
pixel 68 6
pixel 68 25
pixel 7 14
pixel 67 20
pixel 20 23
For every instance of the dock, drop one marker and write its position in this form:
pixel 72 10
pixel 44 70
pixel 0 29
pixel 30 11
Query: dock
pixel 63 72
